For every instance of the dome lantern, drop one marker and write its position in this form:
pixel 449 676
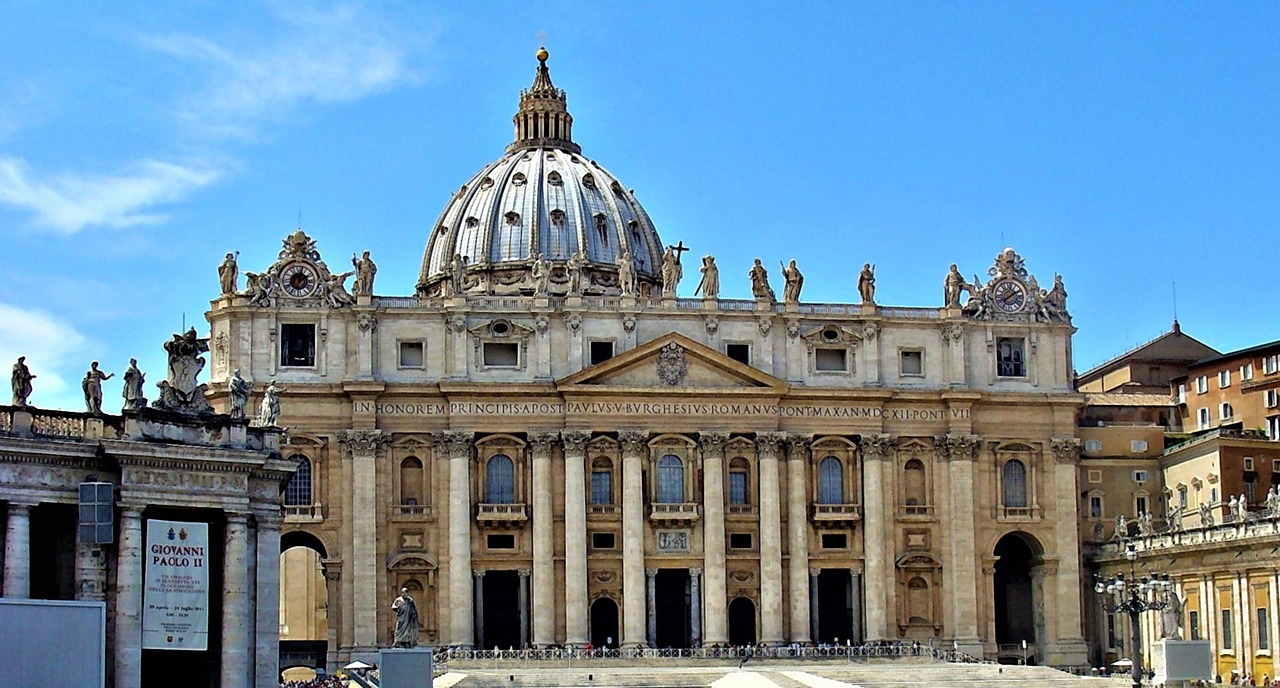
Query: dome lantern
pixel 543 120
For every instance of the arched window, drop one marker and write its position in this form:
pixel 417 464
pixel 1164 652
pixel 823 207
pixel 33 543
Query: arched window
pixel 298 490
pixel 1015 483
pixel 499 480
pixel 602 481
pixel 670 479
pixel 914 483
pixel 739 481
pixel 830 481
pixel 411 481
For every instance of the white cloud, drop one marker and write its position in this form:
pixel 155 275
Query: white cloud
pixel 314 56
pixel 70 202
pixel 52 347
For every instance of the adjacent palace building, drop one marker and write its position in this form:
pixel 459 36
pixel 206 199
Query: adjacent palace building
pixel 547 446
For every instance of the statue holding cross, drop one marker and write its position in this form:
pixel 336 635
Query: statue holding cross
pixel 672 271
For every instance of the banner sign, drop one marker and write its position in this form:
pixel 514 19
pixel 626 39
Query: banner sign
pixel 175 604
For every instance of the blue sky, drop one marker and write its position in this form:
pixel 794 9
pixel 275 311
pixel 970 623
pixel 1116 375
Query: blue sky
pixel 1124 145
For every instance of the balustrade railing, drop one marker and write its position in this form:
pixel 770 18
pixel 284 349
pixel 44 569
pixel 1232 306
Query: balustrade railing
pixel 303 512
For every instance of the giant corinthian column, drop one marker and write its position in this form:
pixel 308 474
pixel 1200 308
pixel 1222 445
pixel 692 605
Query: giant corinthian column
pixel 575 537
pixel 767 446
pixel 544 539
pixel 457 446
pixel 363 448
pixel 963 577
pixel 634 627
pixel 798 535
pixel 876 517
pixel 716 623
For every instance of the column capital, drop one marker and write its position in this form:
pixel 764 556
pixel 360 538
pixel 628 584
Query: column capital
pixel 332 569
pixel 768 443
pixel 798 444
pixel 478 574
pixel 695 572
pixel 575 441
pixel 1066 450
pixel 269 521
pixel 540 443
pixel 364 443
pixel 712 443
pixel 239 518
pixel 957 447
pixel 523 573
pixel 131 511
pixel 876 447
pixel 633 441
pixel 813 573
pixel 650 573
pixel 21 507
pixel 456 443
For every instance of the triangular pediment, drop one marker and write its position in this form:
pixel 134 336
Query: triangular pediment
pixel 673 361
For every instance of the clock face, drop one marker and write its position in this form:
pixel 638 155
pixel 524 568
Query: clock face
pixel 298 280
pixel 1009 296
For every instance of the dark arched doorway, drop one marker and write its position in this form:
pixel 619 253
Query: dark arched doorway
pixel 604 623
pixel 742 622
pixel 304 602
pixel 1017 597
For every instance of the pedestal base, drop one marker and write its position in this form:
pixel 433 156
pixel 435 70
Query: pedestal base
pixel 1177 661
pixel 405 667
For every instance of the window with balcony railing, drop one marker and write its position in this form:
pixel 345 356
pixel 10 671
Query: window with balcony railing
pixel 830 481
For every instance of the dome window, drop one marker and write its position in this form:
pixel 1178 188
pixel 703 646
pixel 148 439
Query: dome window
pixel 554 179
pixel 551 156
pixel 617 188
pixel 513 218
pixel 589 181
pixel 472 222
pixel 486 184
pixel 518 179
pixel 557 217
pixel 602 226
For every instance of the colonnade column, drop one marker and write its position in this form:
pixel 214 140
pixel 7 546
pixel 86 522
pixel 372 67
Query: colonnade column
pixel 874 450
pixel 267 637
pixel 633 573
pixel 715 624
pixel 477 607
pixel 798 537
pixel 651 604
pixel 1071 645
pixel 815 610
pixel 695 604
pixel 237 658
pixel 577 628
pixel 364 448
pixel 960 453
pixel 128 616
pixel 462 627
pixel 544 567
pixel 522 601
pixel 17 552
pixel 767 446
pixel 91 572
pixel 855 612
pixel 333 616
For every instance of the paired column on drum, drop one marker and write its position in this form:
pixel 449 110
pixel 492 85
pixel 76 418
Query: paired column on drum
pixel 544 569
pixel 575 537
pixel 363 448
pixel 457 447
pixel 17 551
pixel 768 444
pixel 634 631
pixel 875 451
pixel 798 537
pixel 715 624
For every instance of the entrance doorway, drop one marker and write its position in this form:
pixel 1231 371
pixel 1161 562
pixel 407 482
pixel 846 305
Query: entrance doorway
pixel 835 609
pixel 672 597
pixel 1015 590
pixel 604 623
pixel 501 610
pixel 742 622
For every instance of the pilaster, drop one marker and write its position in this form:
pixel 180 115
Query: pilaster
pixel 768 444
pixel 798 536
pixel 577 627
pixel 876 547
pixel 364 448
pixel 960 452
pixel 544 570
pixel 634 632
pixel 462 626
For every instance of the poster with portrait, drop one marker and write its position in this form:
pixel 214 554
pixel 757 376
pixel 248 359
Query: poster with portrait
pixel 175 602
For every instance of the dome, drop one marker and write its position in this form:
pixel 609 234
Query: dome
pixel 542 197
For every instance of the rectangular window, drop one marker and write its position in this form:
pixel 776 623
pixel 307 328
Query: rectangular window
pixel 1224 379
pixel 1011 357
pixel 1225 411
pixel 831 360
pixel 1095 476
pixel 1225 631
pixel 739 540
pixel 737 487
pixel 1093 446
pixel 1246 372
pixel 1273 428
pixel 1182 393
pixel 835 541
pixel 412 354
pixel 603 541
pixel 1095 507
pixel 739 352
pixel 501 355
pixel 1248 463
pixel 1137 446
pixel 601 487
pixel 501 541
pixel 1193 622
pixel 1270 364
pixel 298 346
pixel 1202 418
pixel 1213 495
pixel 1271 398
pixel 601 352
pixel 1264 630
pixel 1251 491
pixel 1111 631
pixel 1202 384
pixel 1140 476
pixel 1139 505
pixel 1182 497
pixel 912 363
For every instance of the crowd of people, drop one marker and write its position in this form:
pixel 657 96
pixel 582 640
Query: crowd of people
pixel 329 681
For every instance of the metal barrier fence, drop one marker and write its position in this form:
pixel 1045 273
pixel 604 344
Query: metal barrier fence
pixel 869 650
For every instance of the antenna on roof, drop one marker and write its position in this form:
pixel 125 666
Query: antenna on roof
pixel 299 217
pixel 1176 327
pixel 184 321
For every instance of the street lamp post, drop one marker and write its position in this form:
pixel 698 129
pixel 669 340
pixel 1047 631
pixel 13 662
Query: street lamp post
pixel 1132 597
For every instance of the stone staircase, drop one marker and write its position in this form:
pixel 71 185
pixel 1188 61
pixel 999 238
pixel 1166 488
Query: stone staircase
pixel 766 674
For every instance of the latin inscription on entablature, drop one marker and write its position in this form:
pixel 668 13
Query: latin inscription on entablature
pixel 655 408
pixel 203 482
pixel 40 476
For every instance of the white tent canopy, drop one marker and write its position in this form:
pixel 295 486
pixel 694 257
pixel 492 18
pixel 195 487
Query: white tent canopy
pixel 358 665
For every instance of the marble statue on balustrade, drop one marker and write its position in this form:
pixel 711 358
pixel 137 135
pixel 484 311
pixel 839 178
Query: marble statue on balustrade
pixel 181 391
pixel 760 288
pixel 269 410
pixel 626 274
pixel 92 387
pixel 1171 618
pixel 1146 527
pixel 574 267
pixel 541 274
pixel 134 399
pixel 1122 527
pixel 366 270
pixel 793 282
pixel 21 380
pixel 407 621
pixel 867 284
pixel 952 285
pixel 458 274
pixel 1206 515
pixel 672 271
pixel 709 286
pixel 1173 520
pixel 335 291
pixel 229 274
pixel 1240 509
pixel 1272 501
pixel 238 389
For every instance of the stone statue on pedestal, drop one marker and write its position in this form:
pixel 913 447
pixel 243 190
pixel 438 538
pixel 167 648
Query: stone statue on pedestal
pixel 229 274
pixel 1206 515
pixel 760 288
pixel 867 283
pixel 132 392
pixel 574 267
pixel 22 378
pixel 92 386
pixel 672 271
pixel 1171 618
pixel 709 286
pixel 365 272
pixel 458 273
pixel 181 392
pixel 626 274
pixel 238 389
pixel 541 273
pixel 794 282
pixel 269 412
pixel 952 286
pixel 407 622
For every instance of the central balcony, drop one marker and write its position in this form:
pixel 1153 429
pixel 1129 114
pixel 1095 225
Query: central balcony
pixel 672 514
pixel 836 515
pixel 501 515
